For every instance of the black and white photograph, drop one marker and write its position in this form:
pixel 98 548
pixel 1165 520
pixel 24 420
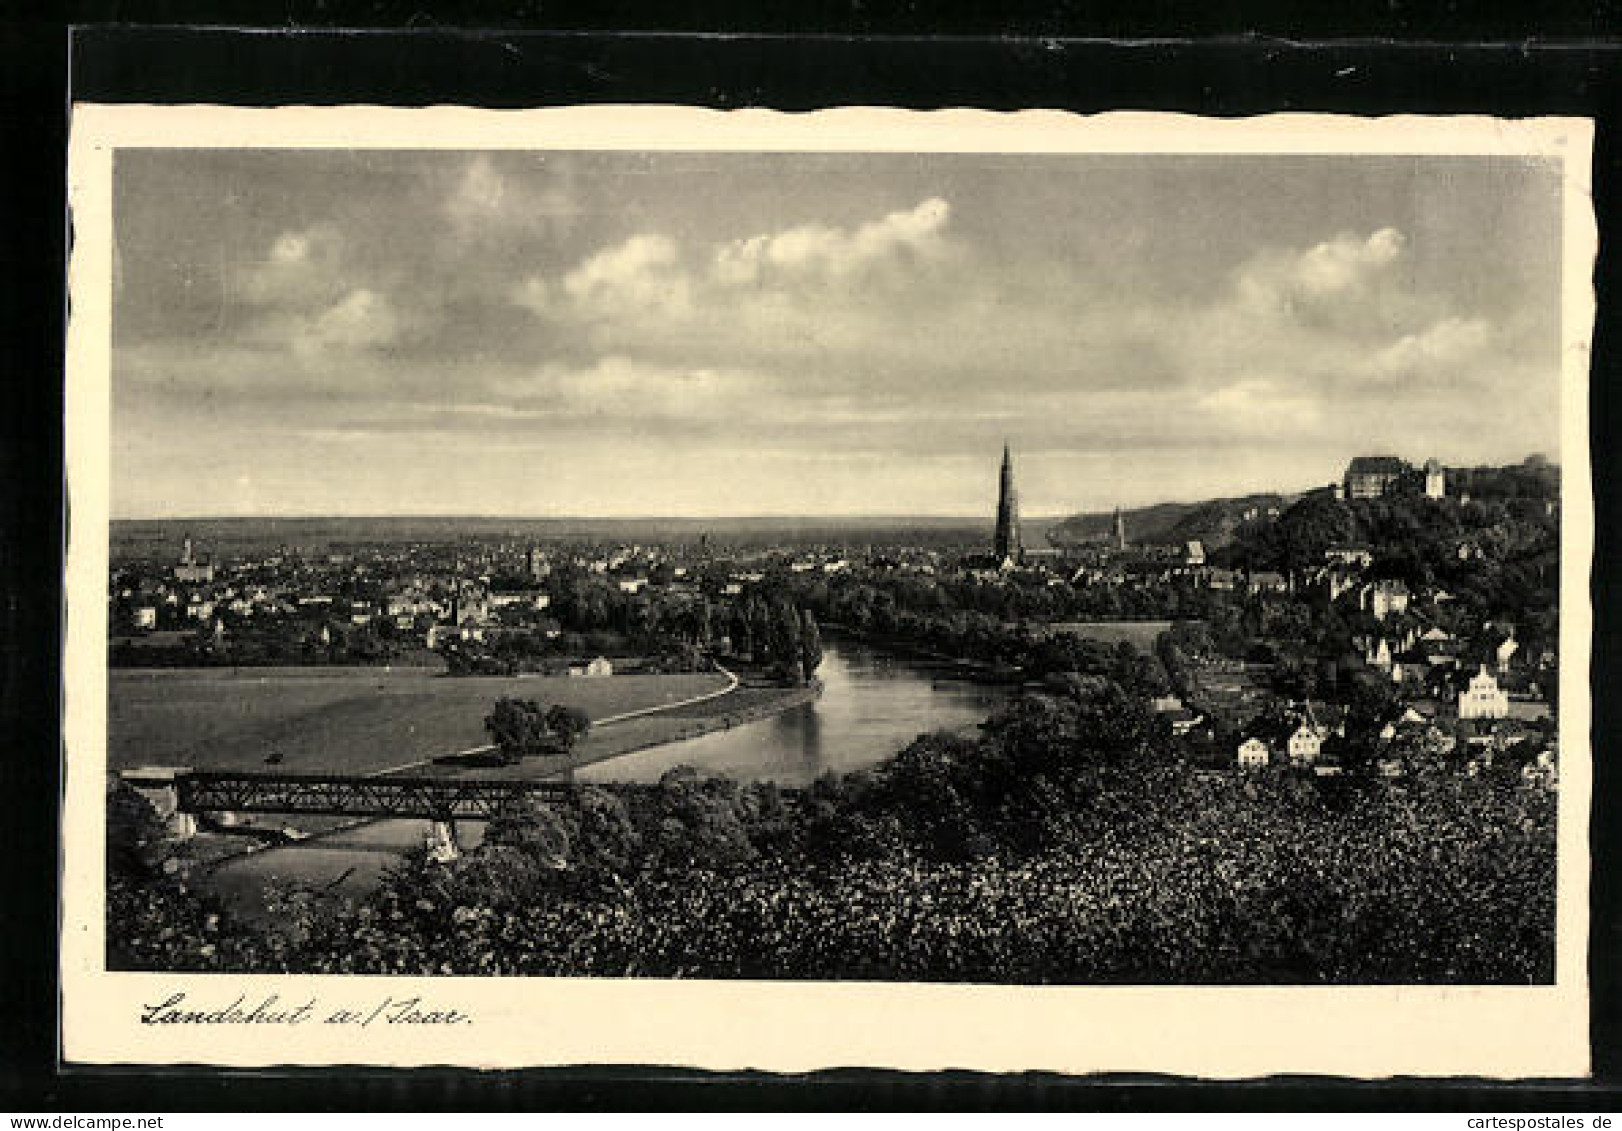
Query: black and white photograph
pixel 1006 560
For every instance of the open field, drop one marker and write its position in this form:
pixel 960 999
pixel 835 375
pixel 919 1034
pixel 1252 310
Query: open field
pixel 340 720
pixel 1140 633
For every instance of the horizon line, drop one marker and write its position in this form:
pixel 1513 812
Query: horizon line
pixel 465 517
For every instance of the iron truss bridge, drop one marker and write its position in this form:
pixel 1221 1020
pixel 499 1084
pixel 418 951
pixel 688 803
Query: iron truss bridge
pixel 337 795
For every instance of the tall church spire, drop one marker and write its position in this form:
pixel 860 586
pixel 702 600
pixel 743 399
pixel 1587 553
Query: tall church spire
pixel 1008 544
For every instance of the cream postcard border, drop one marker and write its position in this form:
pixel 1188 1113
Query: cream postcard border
pixel 1369 1032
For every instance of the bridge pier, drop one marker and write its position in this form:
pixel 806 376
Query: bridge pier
pixel 441 842
pixel 157 784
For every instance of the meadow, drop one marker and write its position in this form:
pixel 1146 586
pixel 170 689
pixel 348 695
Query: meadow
pixel 341 720
pixel 1140 633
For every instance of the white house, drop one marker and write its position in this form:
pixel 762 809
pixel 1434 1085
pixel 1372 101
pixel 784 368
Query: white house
pixel 1305 743
pixel 1356 556
pixel 146 617
pixel 1483 699
pixel 1254 754
pixel 599 667
pixel 521 598
pixel 1385 597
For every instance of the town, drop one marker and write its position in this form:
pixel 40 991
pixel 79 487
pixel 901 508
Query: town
pixel 1398 620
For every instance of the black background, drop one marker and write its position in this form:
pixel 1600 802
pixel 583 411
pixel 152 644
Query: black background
pixel 1345 57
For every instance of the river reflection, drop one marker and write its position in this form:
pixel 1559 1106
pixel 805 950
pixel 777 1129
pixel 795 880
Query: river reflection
pixel 872 705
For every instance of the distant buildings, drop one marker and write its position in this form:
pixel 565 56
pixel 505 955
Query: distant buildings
pixel 1383 598
pixel 1358 556
pixel 190 570
pixel 1369 477
pixel 1268 581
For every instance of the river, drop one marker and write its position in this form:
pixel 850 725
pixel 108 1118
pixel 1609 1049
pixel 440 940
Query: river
pixel 872 704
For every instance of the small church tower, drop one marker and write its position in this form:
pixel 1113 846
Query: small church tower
pixel 1007 545
pixel 1120 530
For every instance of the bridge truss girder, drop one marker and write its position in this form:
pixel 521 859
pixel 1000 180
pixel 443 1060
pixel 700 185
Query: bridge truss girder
pixel 335 795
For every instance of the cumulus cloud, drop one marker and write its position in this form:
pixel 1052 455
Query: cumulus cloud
pixel 650 276
pixel 1348 279
pixel 835 253
pixel 1440 351
pixel 361 320
pixel 643 275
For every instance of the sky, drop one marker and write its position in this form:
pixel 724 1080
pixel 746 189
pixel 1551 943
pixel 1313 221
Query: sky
pixel 307 332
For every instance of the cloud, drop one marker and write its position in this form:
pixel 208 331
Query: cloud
pixel 1259 408
pixel 835 253
pixel 625 388
pixel 363 319
pixel 299 268
pixel 485 203
pixel 1348 280
pixel 641 276
pixel 1440 351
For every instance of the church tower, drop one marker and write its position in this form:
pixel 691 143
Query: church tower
pixel 1120 530
pixel 1007 544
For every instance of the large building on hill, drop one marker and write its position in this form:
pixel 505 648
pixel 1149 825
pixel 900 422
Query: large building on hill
pixel 1006 545
pixel 1369 477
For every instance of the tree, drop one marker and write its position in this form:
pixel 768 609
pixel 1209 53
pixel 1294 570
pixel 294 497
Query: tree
pixel 742 633
pixel 517 727
pixel 810 644
pixel 783 636
pixel 566 725
pixel 760 627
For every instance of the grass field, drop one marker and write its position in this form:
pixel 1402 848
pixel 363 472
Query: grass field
pixel 340 720
pixel 1140 633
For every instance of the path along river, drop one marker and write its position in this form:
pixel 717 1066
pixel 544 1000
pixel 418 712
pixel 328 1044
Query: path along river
pixel 873 704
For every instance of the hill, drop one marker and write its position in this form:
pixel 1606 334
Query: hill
pixel 1212 522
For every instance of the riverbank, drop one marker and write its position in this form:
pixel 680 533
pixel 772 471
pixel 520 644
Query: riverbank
pixel 620 735
pixel 959 666
pixel 745 703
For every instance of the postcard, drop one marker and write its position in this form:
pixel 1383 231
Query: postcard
pixel 738 590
